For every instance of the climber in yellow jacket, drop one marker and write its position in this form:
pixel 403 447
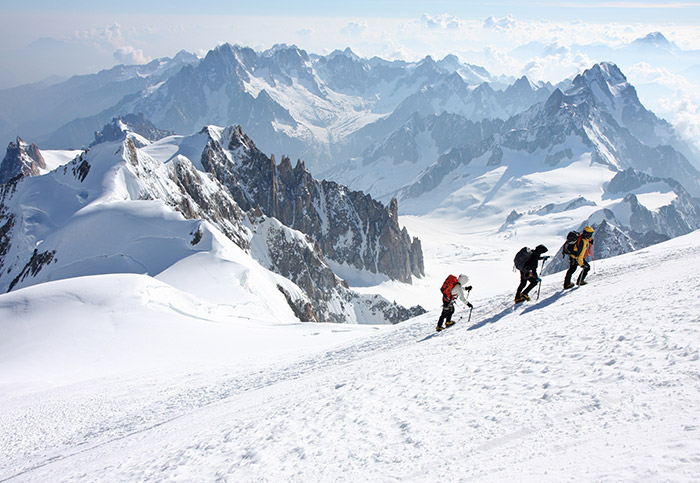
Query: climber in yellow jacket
pixel 578 251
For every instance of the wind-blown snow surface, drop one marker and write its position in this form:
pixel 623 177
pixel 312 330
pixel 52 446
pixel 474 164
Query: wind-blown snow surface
pixel 601 383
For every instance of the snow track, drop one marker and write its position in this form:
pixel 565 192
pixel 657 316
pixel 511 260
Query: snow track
pixel 599 383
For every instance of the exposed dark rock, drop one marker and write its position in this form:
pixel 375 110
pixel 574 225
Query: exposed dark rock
pixel 304 311
pixel 7 219
pixel 81 168
pixel 38 261
pixel 350 227
pixel 21 159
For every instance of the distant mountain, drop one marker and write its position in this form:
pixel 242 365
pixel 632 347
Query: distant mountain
pixel 600 115
pixel 39 110
pixel 300 105
pixel 654 40
pixel 584 140
pixel 120 127
pixel 398 160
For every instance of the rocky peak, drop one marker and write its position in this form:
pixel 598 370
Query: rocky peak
pixel 227 63
pixel 522 85
pixel 287 55
pixel 239 139
pixel 602 73
pixel 350 227
pixel 347 53
pixel 185 57
pixel 655 39
pixel 483 90
pixel 21 159
pixel 628 180
pixel 136 123
pixel 554 102
pixel 450 62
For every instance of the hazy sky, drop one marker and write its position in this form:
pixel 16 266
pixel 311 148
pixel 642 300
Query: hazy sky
pixel 40 38
pixel 586 10
pixel 545 40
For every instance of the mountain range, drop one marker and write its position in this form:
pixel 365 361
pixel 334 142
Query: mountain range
pixel 437 139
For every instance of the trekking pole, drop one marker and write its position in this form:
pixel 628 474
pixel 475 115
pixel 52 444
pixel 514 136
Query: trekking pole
pixel 539 285
pixel 470 308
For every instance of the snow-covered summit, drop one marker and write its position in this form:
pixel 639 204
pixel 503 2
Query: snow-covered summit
pixel 656 40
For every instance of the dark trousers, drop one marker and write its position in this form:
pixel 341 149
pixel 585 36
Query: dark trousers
pixel 447 310
pixel 573 265
pixel 524 279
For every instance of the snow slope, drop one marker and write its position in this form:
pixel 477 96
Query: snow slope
pixel 596 384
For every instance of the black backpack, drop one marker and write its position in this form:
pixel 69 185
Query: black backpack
pixel 521 257
pixel 569 245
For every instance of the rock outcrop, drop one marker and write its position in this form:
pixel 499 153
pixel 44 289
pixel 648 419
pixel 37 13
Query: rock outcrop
pixel 350 227
pixel 21 159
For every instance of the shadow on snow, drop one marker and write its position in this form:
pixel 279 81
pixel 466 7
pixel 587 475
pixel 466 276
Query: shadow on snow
pixel 509 310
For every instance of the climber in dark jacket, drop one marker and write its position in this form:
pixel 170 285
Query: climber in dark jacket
pixel 528 272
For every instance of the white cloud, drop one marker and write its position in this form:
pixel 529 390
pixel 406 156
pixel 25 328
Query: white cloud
pixel 499 62
pixel 671 96
pixel 111 35
pixel 305 32
pixel 642 72
pixel 557 66
pixel 505 23
pixel 129 55
pixel 441 22
pixel 353 29
pixel 686 119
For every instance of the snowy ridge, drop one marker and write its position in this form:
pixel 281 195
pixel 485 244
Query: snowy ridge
pixel 118 208
pixel 594 383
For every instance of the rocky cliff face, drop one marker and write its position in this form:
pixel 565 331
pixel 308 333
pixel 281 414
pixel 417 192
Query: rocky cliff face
pixel 21 159
pixel 326 297
pixel 350 227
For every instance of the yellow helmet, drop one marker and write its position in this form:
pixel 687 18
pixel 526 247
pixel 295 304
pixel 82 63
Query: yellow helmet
pixel 588 229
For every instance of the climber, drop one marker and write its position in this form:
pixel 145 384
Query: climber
pixel 578 249
pixel 526 262
pixel 452 289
